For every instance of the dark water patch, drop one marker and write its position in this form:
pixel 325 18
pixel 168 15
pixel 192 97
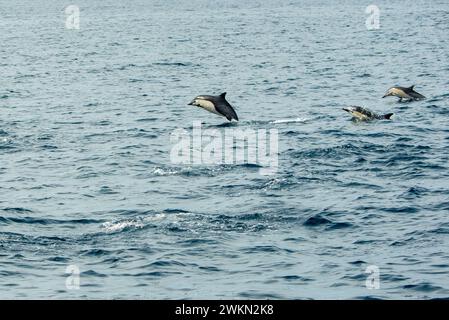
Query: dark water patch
pixel 441 230
pixel 400 243
pixel 414 192
pixel 357 185
pixel 176 228
pixel 254 295
pixel 126 66
pixel 356 277
pixel 59 259
pixel 92 273
pixel 358 262
pixel 422 287
pixel 339 225
pixel 370 242
pixel 166 263
pixel 393 277
pixel 222 125
pixel 68 122
pixel 370 297
pixel 97 252
pixel 6 273
pixel 443 266
pixel 250 216
pixel 266 249
pixel 147 119
pixel 17 210
pixel 295 278
pixel 400 210
pixel 113 165
pixel 174 64
pixel 317 220
pixel 107 190
pixel 197 242
pixel 337 152
pixel 130 212
pixel 31 220
pixel 211 269
pixel 295 239
pixel 175 211
pixel 112 261
pixel 442 206
pixel 14 238
pixel 154 274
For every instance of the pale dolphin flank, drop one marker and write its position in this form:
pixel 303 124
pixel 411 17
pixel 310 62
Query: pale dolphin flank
pixel 217 105
pixel 404 93
pixel 363 114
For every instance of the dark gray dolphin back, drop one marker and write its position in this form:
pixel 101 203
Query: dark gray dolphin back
pixel 412 93
pixel 223 107
pixel 366 112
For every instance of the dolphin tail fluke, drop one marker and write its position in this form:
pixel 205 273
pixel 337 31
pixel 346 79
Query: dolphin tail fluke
pixel 230 114
pixel 416 95
pixel 388 116
pixel 419 96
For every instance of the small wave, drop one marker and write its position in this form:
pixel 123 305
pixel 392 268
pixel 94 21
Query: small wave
pixel 92 273
pixel 173 64
pixel 31 220
pixel 18 210
pixel 400 210
pixel 422 287
pixel 318 220
pixel 260 296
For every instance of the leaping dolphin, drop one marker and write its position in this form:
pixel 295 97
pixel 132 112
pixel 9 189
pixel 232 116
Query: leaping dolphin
pixel 404 93
pixel 216 104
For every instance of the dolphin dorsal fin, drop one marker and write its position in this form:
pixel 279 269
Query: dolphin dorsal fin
pixel 223 95
pixel 412 87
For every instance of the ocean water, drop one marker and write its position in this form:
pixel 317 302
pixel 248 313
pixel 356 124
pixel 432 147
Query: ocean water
pixel 87 182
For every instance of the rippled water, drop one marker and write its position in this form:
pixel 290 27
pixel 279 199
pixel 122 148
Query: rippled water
pixel 86 178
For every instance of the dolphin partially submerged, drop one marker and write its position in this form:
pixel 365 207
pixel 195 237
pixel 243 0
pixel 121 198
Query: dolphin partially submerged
pixel 363 114
pixel 217 105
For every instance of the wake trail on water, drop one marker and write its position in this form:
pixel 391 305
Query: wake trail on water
pixel 293 120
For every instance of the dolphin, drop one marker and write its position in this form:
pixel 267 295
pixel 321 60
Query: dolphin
pixel 216 104
pixel 404 93
pixel 363 114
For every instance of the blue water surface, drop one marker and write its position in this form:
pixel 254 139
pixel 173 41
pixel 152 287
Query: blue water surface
pixel 86 177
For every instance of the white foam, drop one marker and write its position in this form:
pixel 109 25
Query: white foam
pixel 120 225
pixel 289 120
pixel 164 172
